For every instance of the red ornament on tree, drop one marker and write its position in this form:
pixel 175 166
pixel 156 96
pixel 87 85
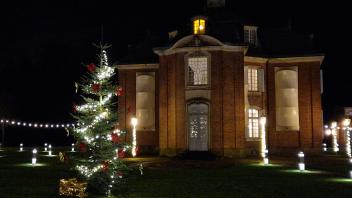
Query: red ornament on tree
pixel 91 67
pixel 120 153
pixel 119 91
pixel 115 138
pixel 96 88
pixel 119 174
pixel 74 108
pixel 105 166
pixel 82 147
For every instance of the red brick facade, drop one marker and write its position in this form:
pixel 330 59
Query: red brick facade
pixel 226 100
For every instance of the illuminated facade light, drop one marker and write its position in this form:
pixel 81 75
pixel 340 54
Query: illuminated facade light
pixel 335 145
pixel 134 122
pixel 199 25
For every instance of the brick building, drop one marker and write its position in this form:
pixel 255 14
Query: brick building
pixel 207 90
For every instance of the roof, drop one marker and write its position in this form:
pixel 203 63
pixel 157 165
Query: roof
pixel 228 29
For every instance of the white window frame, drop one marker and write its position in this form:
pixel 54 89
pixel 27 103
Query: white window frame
pixel 253 132
pixel 253 79
pixel 139 100
pixel 250 35
pixel 189 56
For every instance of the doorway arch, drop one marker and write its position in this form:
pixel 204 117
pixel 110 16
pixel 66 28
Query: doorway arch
pixel 198 126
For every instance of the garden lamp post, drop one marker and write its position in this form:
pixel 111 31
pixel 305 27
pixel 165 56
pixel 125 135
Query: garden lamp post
pixel 264 150
pixel 49 149
pixel 34 157
pixel 301 164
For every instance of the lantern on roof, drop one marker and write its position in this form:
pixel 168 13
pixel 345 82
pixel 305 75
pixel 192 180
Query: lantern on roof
pixel 199 25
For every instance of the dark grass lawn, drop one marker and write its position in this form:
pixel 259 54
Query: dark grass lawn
pixel 165 177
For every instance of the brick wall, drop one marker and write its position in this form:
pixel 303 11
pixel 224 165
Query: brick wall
pixel 127 109
pixel 309 137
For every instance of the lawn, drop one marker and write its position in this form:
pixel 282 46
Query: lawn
pixel 168 177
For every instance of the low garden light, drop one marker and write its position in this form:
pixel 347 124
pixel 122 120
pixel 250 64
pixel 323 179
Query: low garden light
pixel 301 165
pixel 46 147
pixel 21 147
pixel 73 147
pixel 50 153
pixel 34 157
pixel 264 150
pixel 266 157
pixel 324 147
pixel 134 122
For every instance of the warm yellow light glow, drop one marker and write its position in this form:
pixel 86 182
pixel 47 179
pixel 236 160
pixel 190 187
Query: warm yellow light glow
pixel 134 121
pixel 335 145
pixel 346 122
pixel 328 132
pixel 199 26
pixel 263 137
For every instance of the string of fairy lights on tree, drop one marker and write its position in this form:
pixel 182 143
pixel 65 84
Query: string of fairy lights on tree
pixel 98 140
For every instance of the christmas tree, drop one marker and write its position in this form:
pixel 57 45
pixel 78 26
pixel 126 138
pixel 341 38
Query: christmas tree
pixel 97 135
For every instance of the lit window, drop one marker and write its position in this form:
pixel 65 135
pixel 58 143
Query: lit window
pixel 250 35
pixel 199 26
pixel 145 100
pixel 252 79
pixel 197 71
pixel 253 125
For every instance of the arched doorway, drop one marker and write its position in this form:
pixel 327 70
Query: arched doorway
pixel 198 126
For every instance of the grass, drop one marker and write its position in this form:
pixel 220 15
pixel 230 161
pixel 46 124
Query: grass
pixel 165 177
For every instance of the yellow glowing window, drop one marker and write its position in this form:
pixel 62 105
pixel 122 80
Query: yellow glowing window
pixel 199 26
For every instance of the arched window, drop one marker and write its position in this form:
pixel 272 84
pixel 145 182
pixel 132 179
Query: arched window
pixel 198 126
pixel 253 123
pixel 286 99
pixel 145 100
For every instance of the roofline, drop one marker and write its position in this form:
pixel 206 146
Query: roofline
pixel 293 59
pixel 218 45
pixel 137 66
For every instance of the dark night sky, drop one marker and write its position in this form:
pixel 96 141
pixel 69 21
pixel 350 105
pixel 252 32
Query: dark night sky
pixel 44 43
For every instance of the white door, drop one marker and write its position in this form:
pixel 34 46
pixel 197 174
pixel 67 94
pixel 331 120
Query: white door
pixel 198 126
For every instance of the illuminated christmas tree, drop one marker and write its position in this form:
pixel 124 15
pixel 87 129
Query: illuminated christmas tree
pixel 98 138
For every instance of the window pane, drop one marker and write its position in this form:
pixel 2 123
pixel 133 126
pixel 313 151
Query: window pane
pixel 252 79
pixel 198 71
pixel 253 127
